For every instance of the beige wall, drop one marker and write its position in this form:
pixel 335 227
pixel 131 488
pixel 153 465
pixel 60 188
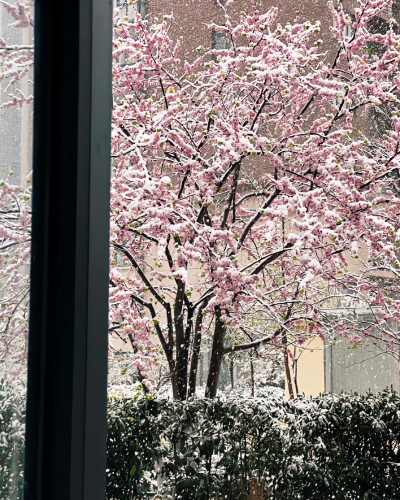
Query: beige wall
pixel 310 368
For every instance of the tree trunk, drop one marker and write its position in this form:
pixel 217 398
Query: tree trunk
pixel 181 365
pixel 294 369
pixel 196 350
pixel 252 377
pixel 287 368
pixel 175 386
pixel 217 353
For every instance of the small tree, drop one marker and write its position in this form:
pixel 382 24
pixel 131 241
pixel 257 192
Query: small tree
pixel 244 169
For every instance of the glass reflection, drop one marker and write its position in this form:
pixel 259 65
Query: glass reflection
pixel 16 89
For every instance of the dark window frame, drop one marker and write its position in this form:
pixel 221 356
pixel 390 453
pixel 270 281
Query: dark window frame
pixel 66 423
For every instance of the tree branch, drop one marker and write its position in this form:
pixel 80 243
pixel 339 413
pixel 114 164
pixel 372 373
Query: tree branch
pixel 271 257
pixel 256 218
pixel 141 274
pixel 167 347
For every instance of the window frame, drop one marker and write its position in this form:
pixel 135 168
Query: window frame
pixel 66 421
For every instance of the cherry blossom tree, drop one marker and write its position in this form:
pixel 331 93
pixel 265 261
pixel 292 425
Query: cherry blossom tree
pixel 249 197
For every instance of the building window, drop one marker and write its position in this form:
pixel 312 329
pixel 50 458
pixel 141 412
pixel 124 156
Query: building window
pixel 219 40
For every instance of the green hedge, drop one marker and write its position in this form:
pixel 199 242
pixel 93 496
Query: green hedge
pixel 12 431
pixel 341 447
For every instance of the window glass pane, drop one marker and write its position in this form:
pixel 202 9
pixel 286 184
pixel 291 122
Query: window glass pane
pixel 254 247
pixel 16 91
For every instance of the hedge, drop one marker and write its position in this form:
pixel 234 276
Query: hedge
pixel 332 447
pixel 12 430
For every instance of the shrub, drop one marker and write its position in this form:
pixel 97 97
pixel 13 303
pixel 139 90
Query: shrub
pixel 12 428
pixel 346 447
pixel 332 447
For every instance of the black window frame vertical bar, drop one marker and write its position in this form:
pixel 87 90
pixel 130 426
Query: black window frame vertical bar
pixel 66 421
